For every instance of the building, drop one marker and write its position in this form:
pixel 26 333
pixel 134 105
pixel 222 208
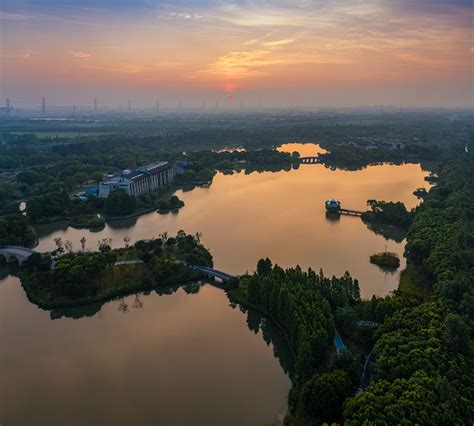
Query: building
pixel 333 205
pixel 363 143
pixel 139 181
pixel 373 143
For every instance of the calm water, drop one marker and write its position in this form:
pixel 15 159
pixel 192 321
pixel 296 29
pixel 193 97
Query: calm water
pixel 280 215
pixel 180 359
pixel 187 358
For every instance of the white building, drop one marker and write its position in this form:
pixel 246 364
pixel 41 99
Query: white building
pixel 139 181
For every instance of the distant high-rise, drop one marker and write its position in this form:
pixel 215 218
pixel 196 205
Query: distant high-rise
pixel 8 106
pixel 129 105
pixel 43 105
pixel 157 105
pixel 180 105
pixel 95 104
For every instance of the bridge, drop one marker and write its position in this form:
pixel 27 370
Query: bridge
pixel 12 253
pixel 213 273
pixel 308 160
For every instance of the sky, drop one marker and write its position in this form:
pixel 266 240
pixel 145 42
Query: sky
pixel 244 52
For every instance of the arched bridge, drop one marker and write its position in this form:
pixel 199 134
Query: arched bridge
pixel 12 253
pixel 308 160
pixel 213 273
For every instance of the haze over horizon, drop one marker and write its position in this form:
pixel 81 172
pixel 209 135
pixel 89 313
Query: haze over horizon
pixel 283 52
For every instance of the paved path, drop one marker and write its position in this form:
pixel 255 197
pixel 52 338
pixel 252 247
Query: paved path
pixel 127 262
pixel 338 343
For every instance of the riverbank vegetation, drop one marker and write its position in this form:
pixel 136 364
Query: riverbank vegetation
pixel 306 307
pixel 88 221
pixel 16 230
pixel 66 277
pixel 423 369
pixel 420 367
pixel 393 213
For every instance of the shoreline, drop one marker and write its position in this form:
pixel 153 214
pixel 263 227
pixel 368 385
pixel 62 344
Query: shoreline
pixel 235 298
pixel 106 296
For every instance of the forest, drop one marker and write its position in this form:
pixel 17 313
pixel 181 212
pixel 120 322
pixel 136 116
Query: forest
pixel 423 371
pixel 307 306
pixel 419 338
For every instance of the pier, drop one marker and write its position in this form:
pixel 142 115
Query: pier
pixel 350 212
pixel 333 206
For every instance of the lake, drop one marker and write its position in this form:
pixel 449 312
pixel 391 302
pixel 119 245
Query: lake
pixel 174 359
pixel 186 357
pixel 281 215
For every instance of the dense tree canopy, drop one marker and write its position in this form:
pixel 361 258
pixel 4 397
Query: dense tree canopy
pixel 15 229
pixel 424 368
pixel 120 203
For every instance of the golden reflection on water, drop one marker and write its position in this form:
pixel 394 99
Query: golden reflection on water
pixel 282 215
pixel 304 149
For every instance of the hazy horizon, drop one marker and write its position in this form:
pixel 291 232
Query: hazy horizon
pixel 283 53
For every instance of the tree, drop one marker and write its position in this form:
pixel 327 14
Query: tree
pixel 104 245
pixel 97 176
pixel 126 240
pixel 345 318
pixel 264 266
pixel 120 203
pixel 324 395
pixel 15 229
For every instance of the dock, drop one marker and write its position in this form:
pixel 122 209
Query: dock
pixel 334 207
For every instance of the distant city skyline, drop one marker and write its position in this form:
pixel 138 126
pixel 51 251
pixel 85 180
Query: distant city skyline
pixel 280 53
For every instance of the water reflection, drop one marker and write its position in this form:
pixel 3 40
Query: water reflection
pixel 179 359
pixel 7 269
pixel 389 232
pixel 333 216
pixel 308 149
pixel 247 216
pixel 125 304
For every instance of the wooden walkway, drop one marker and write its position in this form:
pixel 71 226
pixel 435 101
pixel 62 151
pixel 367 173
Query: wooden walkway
pixel 350 212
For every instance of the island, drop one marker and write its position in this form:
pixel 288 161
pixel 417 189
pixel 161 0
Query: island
pixel 386 260
pixel 66 277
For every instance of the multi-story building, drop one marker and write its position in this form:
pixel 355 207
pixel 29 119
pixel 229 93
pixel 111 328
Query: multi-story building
pixel 374 143
pixel 139 181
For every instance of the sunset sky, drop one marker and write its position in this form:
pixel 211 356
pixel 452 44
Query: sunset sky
pixel 300 52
